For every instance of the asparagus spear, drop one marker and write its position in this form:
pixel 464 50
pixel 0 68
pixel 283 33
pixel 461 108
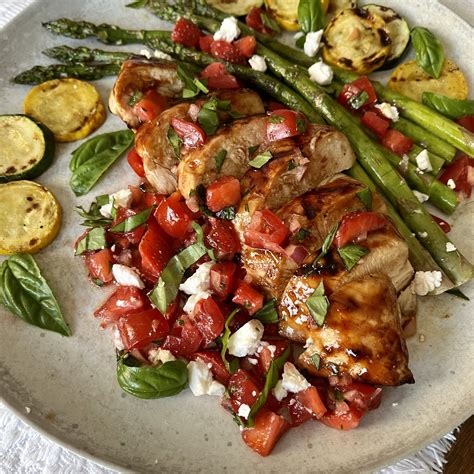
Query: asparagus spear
pixel 69 55
pixel 39 74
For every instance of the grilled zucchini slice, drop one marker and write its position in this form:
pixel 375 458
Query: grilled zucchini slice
pixel 410 80
pixel 26 148
pixel 235 7
pixel 398 30
pixel 286 12
pixel 356 40
pixel 30 217
pixel 70 108
pixel 335 6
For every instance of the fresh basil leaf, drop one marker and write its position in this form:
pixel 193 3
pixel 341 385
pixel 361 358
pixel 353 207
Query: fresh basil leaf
pixel 94 157
pixel 201 84
pixel 269 22
pixel 102 200
pixel 300 42
pixel 189 93
pixel 316 360
pixel 200 193
pixel 132 222
pixel 261 159
pixel 25 293
pixel 310 15
pixel 139 4
pixel 326 244
pixel 200 239
pixel 215 104
pixel 358 100
pixel 458 293
pixel 271 380
pixel 365 197
pixel 225 342
pixel 219 159
pixel 302 234
pixel 97 282
pixel 174 141
pixel 209 120
pixel 148 382
pixel 452 108
pixel 93 240
pixel 228 213
pixel 429 51
pixel 136 97
pixel 253 149
pixel 236 115
pixel 318 305
pixel 93 217
pixel 351 254
pixel 269 313
pixel 192 85
pixel 301 124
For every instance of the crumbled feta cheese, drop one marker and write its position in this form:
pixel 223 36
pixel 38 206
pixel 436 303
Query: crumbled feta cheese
pixel 450 247
pixel 122 198
pixel 425 282
pixel 246 340
pixel 272 350
pixel 389 111
pixel 244 411
pixel 279 392
pixel 117 339
pixel 193 299
pixel 451 184
pixel 252 361
pixel 423 161
pixel 257 63
pixel 216 389
pixel 160 55
pixel 254 393
pixel 228 31
pixel 423 235
pixel 106 210
pixel 312 43
pixel 146 53
pixel 200 380
pixel 292 380
pixel 156 356
pixel 420 196
pixel 320 73
pixel 126 276
pixel 298 35
pixel 197 286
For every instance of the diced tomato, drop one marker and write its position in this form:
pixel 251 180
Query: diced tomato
pixel 222 237
pixel 187 342
pixel 150 106
pixel 208 319
pixel 190 133
pixel 154 250
pixel 248 297
pixel 136 163
pixel 214 70
pixel 174 216
pixel 285 123
pixel 376 123
pixel 269 353
pixel 343 421
pixel 297 412
pixel 362 84
pixel 460 171
pixel 362 396
pixel 467 122
pixel 445 227
pixel 135 235
pixel 311 400
pixel 221 374
pixel 247 46
pixel 218 77
pixel 153 199
pixel 99 265
pixel 185 32
pixel 222 278
pixel 224 192
pixel 266 231
pixel 227 51
pixel 139 329
pixel 243 390
pixel 269 428
pixel 254 20
pixel 355 226
pixel 205 43
pixel 125 300
pixel 397 142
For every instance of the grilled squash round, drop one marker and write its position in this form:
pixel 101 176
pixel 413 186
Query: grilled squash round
pixel 286 12
pixel 70 108
pixel 410 80
pixel 356 40
pixel 235 7
pixel 30 217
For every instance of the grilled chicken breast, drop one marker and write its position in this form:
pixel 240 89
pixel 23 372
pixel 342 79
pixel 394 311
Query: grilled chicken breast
pixel 361 334
pixel 138 74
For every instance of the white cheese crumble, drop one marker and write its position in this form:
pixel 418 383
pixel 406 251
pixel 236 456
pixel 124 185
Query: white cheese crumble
pixel 245 341
pixel 244 411
pixel 292 380
pixel 298 35
pixel 156 356
pixel 200 380
pixel 450 247
pixel 146 53
pixel 423 235
pixel 257 63
pixel 425 282
pixel 117 338
pixel 279 392
pixel 122 198
pixel 126 276
pixel 423 161
pixel 451 184
pixel 320 73
pixel 312 43
pixel 404 161
pixel 388 111
pixel 421 196
pixel 197 286
pixel 160 55
pixel 228 31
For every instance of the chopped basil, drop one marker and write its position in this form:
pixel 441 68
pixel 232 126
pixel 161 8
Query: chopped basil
pixel 261 159
pixel 192 85
pixel 215 104
pixel 200 193
pixel 271 380
pixel 292 165
pixel 136 97
pixel 225 341
pixel 93 217
pixel 301 124
pixel 236 115
pixel 132 222
pixel 452 108
pixel 253 149
pixel 365 197
pixel 93 240
pixel 200 239
pixel 300 42
pixel 301 235
pixel 219 159
pixel 98 282
pixel 174 141
pixel 358 100
pixel 275 118
pixel 339 396
pixel 269 22
pixel 269 313
pixel 227 213
pixel 458 293
pixel 209 120
pixel 351 254
pixel 316 360
pixel 318 304
pixel 326 244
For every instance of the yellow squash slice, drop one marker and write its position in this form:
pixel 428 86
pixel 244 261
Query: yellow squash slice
pixel 70 108
pixel 286 12
pixel 410 80
pixel 356 40
pixel 235 7
pixel 30 217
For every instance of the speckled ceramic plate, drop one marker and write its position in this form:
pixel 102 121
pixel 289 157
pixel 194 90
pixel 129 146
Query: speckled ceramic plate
pixel 66 387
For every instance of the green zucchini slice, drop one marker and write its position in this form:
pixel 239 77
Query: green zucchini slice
pixel 26 148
